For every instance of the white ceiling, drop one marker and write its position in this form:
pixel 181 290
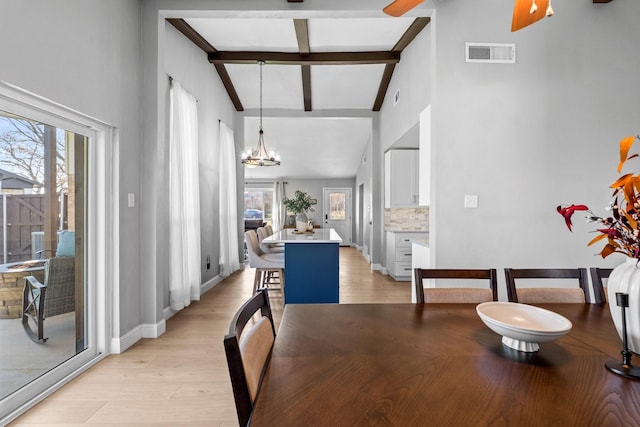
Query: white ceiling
pixel 309 147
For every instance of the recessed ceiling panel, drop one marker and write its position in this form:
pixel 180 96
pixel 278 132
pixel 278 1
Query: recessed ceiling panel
pixel 310 147
pixel 356 35
pixel 345 86
pixel 236 34
pixel 281 85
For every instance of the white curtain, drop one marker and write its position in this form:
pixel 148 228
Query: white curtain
pixel 184 200
pixel 229 257
pixel 279 217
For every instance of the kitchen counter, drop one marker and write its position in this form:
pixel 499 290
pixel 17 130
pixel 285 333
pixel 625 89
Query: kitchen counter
pixel 311 265
pixel 319 235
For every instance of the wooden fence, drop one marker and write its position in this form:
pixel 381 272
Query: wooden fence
pixel 20 216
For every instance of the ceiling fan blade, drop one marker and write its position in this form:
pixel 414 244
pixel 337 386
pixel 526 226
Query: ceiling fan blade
pixel 522 15
pixel 400 7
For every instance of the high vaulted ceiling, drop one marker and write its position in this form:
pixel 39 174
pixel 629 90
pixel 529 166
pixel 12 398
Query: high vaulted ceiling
pixel 311 65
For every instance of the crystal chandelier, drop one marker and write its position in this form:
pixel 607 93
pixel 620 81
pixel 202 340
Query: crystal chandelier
pixel 259 156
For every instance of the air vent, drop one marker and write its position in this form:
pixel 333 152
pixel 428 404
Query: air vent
pixel 497 53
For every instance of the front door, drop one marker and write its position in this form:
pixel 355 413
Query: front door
pixel 336 212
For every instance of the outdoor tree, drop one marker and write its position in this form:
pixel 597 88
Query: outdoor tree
pixel 22 150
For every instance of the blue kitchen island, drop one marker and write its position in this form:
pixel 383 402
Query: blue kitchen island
pixel 311 265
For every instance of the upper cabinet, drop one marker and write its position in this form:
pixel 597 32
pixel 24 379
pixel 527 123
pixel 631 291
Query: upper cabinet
pixel 401 178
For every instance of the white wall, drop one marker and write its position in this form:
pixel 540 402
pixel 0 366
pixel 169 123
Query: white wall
pixel 399 123
pixel 529 136
pixel 364 177
pixel 412 78
pixel 84 54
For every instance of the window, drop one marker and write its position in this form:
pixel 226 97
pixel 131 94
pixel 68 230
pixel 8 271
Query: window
pixel 337 206
pixel 258 205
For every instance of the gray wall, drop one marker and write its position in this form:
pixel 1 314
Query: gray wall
pixel 314 188
pixel 528 136
pixel 86 55
pixel 188 64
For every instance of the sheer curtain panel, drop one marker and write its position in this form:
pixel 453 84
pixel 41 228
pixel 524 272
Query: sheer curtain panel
pixel 229 247
pixel 184 200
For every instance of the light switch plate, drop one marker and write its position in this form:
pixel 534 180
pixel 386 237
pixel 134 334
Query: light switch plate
pixel 131 200
pixel 471 201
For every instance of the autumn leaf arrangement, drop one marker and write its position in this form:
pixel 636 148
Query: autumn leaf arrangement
pixel 620 230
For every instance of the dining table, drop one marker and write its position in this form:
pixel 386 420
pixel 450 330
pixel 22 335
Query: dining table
pixel 440 365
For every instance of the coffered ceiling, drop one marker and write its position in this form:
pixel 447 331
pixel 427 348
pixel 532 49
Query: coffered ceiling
pixel 312 66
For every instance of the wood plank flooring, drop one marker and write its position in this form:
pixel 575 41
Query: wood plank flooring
pixel 181 378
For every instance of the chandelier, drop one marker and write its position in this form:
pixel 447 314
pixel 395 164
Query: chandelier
pixel 259 156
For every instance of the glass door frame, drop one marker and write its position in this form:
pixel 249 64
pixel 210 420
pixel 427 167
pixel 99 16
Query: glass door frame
pixel 101 266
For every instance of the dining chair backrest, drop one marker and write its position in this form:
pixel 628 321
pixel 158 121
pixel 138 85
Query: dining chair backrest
pixel 269 229
pixel 253 246
pixel 537 295
pixel 264 247
pixel 597 274
pixel 455 294
pixel 248 350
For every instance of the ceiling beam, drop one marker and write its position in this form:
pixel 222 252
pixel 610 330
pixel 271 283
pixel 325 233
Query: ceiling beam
pixel 408 36
pixel 306 86
pixel 302 35
pixel 411 33
pixel 316 58
pixel 188 31
pixel 602 1
pixel 384 86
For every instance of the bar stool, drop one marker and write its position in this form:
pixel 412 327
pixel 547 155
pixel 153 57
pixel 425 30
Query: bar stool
pixel 267 265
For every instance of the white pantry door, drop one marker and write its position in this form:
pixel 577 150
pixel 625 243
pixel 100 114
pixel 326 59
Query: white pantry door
pixel 336 211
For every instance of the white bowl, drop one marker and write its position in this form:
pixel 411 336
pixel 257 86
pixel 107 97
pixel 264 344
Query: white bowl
pixel 523 326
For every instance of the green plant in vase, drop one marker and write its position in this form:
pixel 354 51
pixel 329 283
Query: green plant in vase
pixel 300 204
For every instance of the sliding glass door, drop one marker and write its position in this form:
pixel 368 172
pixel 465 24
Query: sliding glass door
pixel 55 206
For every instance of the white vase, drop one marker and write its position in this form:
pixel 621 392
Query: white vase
pixel 302 221
pixel 625 278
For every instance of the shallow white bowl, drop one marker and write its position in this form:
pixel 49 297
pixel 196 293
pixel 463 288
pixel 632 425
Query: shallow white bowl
pixel 523 326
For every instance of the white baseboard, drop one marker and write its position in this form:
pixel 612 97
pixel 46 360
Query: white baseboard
pixel 120 344
pixel 154 330
pixel 378 267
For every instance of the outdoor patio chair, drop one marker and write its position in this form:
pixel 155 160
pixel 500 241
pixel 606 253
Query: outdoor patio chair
pixel 56 296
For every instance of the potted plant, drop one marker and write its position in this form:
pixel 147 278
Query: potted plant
pixel 300 204
pixel 620 233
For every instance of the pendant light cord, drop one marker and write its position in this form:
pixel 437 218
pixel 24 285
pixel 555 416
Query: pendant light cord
pixel 261 64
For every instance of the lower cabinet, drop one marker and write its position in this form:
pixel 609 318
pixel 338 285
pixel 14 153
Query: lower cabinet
pixel 399 253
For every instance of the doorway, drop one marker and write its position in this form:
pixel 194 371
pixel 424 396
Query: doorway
pixel 336 211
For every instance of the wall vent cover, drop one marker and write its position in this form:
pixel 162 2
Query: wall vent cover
pixel 497 53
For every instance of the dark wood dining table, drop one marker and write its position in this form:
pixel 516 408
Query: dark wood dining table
pixel 439 365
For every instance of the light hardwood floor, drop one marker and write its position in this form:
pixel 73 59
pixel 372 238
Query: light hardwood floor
pixel 181 378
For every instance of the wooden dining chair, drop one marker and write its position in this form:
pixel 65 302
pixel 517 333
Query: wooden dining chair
pixel 455 294
pixel 248 349
pixel 597 274
pixel 558 294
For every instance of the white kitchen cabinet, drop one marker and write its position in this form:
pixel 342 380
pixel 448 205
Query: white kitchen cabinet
pixel 401 178
pixel 399 253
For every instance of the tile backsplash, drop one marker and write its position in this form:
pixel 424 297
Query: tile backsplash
pixel 406 219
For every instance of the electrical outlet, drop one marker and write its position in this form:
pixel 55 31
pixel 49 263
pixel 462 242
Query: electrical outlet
pixel 471 201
